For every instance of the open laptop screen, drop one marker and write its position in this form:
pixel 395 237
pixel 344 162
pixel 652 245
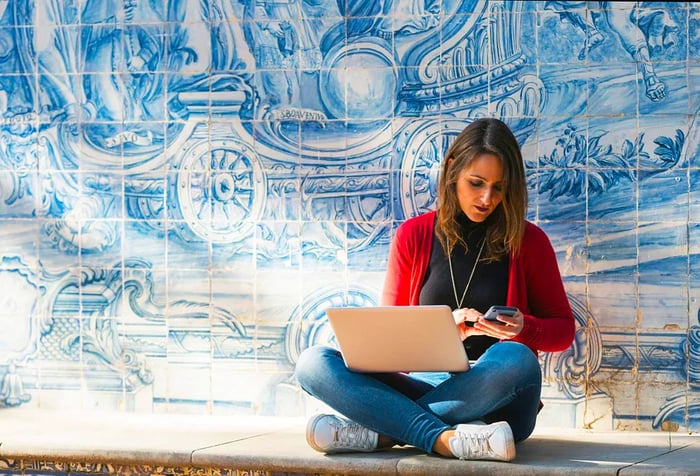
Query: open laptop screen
pixel 398 339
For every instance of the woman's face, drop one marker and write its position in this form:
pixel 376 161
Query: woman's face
pixel 479 187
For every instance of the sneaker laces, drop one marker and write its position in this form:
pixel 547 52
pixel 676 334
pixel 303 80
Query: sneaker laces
pixel 474 445
pixel 354 435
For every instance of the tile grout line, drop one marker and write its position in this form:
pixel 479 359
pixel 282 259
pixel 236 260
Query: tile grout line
pixel 235 441
pixel 653 457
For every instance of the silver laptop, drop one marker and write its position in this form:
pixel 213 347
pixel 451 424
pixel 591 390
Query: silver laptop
pixel 398 339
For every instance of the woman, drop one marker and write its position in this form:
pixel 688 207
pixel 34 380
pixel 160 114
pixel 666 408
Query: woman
pixel 474 251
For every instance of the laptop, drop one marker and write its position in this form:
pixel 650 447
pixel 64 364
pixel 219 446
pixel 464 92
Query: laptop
pixel 398 339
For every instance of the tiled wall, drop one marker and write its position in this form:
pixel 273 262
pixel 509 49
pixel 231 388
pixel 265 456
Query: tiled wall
pixel 186 185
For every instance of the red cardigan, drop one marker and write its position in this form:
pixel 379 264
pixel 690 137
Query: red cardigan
pixel 534 282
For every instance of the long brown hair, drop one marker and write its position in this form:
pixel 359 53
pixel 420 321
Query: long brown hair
pixel 507 222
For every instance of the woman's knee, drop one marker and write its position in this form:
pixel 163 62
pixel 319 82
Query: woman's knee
pixel 312 363
pixel 517 356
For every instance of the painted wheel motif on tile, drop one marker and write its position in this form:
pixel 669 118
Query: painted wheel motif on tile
pixel 220 191
pixel 309 325
pixel 421 153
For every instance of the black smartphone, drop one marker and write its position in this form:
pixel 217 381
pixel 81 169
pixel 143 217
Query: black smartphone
pixel 494 311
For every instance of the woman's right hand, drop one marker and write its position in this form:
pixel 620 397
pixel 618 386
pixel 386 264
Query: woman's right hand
pixel 465 319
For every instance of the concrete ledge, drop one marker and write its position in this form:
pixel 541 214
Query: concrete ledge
pixel 126 442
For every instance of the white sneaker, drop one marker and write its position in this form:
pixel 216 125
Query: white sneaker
pixel 493 442
pixel 333 434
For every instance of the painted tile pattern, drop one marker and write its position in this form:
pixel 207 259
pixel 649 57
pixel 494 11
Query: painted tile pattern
pixel 187 185
pixel 53 468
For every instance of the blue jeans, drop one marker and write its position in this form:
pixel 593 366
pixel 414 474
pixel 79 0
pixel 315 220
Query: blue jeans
pixel 503 385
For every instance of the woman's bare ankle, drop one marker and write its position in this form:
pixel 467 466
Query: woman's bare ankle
pixel 442 444
pixel 385 442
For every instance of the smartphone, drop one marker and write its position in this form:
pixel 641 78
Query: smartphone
pixel 494 311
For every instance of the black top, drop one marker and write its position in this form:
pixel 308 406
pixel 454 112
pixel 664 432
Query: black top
pixel 489 285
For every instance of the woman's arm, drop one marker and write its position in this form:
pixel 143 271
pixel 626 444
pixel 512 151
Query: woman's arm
pixel 397 281
pixel 409 256
pixel 549 324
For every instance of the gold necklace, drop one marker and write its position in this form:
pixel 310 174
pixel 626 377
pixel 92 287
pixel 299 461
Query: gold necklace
pixel 452 275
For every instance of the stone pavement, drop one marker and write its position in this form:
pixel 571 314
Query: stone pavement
pixel 53 442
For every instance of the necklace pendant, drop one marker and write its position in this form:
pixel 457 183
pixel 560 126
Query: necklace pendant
pixel 459 301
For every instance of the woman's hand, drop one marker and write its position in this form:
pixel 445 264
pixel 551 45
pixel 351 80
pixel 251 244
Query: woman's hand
pixel 465 319
pixel 506 327
pixel 471 322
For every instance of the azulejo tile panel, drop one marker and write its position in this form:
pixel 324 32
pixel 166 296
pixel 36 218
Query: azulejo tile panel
pixel 56 468
pixel 186 186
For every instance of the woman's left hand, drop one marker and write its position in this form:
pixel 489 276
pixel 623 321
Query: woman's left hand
pixel 506 327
